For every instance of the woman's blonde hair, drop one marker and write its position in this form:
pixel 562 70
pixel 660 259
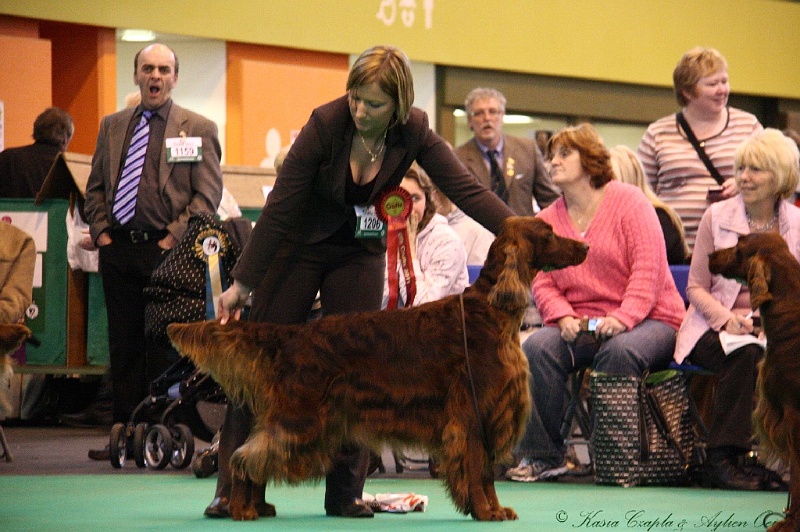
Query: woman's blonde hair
pixel 772 150
pixel 390 68
pixel 628 169
pixel 417 174
pixel 697 63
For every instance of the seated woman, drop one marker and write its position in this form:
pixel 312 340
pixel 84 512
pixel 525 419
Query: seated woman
pixel 625 283
pixel 438 254
pixel 766 172
pixel 628 169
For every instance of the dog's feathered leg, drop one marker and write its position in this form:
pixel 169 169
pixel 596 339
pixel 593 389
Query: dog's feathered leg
pixel 453 466
pixel 791 523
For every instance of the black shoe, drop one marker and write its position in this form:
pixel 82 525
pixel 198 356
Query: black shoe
pixel 100 454
pixel 354 508
pixel 725 475
pixel 218 508
pixel 768 479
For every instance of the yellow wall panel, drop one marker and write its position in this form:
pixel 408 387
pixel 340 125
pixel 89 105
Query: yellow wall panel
pixel 630 41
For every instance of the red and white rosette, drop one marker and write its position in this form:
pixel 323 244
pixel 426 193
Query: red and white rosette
pixel 393 208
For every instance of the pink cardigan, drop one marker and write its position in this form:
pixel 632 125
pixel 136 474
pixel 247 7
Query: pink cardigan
pixel 625 274
pixel 712 297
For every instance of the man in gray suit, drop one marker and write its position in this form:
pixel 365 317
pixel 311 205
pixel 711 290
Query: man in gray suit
pixel 137 211
pixel 511 166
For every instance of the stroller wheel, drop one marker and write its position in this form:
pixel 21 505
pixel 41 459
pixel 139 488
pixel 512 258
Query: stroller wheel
pixel 158 447
pixel 118 445
pixel 139 437
pixel 205 463
pixel 182 446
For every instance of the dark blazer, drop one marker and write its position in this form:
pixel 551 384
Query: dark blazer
pixel 184 188
pixel 307 204
pixel 529 177
pixel 23 169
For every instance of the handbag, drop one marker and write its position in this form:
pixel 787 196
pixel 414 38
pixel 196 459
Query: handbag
pixel 642 428
pixel 714 194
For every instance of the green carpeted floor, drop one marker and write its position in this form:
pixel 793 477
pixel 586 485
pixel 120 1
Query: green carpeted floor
pixel 176 502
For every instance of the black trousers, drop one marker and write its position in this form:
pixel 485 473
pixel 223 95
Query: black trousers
pixel 348 279
pixel 733 398
pixel 126 268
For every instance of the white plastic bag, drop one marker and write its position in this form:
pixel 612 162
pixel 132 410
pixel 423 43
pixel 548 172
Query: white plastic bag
pixel 77 230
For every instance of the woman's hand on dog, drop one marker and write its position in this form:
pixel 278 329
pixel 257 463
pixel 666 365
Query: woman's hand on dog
pixel 231 302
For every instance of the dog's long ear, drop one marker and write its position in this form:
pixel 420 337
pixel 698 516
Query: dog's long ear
pixel 758 277
pixel 510 293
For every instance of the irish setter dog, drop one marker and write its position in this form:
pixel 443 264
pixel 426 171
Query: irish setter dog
pixel 764 261
pixel 447 377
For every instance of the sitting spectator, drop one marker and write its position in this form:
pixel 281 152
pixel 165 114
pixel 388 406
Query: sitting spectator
pixel 438 255
pixel 23 169
pixel 628 169
pixel 17 264
pixel 625 284
pixel 475 237
pixel 766 171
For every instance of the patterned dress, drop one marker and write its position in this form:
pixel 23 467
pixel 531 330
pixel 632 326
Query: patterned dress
pixel 676 172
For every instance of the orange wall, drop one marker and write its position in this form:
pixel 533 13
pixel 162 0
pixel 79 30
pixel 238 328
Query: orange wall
pixel 71 66
pixel 84 77
pixel 25 86
pixel 270 87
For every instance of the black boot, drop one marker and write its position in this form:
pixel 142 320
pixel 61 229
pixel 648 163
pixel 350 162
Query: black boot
pixel 722 471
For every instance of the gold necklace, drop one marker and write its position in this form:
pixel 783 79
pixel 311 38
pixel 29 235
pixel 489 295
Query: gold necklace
pixel 373 155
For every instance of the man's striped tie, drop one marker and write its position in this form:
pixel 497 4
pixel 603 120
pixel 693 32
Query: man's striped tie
pixel 125 200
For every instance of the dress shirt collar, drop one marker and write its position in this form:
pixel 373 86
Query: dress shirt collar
pixel 485 150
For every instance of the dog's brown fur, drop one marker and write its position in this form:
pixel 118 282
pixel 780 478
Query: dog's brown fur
pixel 11 337
pixel 398 377
pixel 764 261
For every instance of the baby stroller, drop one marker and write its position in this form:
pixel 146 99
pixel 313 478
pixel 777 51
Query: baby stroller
pixel 163 426
pixel 183 289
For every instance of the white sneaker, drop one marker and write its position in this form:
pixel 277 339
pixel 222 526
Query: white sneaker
pixel 522 469
pixel 537 470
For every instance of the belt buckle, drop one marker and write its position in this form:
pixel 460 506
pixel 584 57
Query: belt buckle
pixel 137 237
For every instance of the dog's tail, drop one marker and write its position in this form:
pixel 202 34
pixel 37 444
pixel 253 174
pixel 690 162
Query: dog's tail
pixel 230 353
pixel 511 292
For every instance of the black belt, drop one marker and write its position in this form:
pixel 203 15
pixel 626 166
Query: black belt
pixel 137 236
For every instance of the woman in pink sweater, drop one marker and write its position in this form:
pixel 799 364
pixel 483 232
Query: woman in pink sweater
pixel 624 286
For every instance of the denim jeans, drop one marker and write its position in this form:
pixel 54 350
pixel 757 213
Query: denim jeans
pixel 649 345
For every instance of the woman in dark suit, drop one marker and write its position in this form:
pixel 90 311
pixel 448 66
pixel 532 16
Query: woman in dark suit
pixel 305 241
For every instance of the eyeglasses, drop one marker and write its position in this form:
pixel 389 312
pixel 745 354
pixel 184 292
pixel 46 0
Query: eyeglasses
pixel 491 113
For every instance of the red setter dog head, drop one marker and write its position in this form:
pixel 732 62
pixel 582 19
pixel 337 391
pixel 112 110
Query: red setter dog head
pixel 753 261
pixel 524 246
